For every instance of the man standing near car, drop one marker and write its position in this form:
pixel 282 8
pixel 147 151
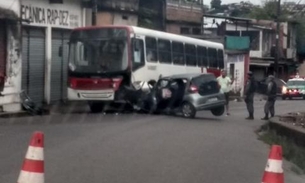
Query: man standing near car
pixel 225 86
pixel 271 97
pixel 249 92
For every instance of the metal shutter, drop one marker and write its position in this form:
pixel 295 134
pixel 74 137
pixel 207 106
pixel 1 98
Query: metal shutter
pixel 2 53
pixel 33 56
pixel 59 65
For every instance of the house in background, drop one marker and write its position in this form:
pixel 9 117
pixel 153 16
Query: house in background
pixel 183 17
pixel 118 12
pixel 262 42
pixel 10 56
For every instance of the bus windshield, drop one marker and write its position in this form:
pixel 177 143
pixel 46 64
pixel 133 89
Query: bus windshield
pixel 98 50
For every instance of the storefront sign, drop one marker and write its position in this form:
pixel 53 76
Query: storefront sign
pixel 49 16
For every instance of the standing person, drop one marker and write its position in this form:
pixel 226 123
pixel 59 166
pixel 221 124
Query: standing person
pixel 225 86
pixel 271 97
pixel 249 92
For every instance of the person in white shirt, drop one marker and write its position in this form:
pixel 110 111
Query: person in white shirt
pixel 225 83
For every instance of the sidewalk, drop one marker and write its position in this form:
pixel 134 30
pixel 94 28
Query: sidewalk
pixel 59 108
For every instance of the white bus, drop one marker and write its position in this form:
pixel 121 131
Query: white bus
pixel 103 60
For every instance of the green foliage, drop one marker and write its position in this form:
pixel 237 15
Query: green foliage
pixel 216 4
pixel 268 12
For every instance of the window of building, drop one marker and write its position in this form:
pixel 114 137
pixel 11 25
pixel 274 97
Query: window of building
pixel 220 59
pixel 190 55
pixel 151 49
pixel 254 38
pixel 196 31
pixel 185 30
pixel 164 50
pixel 289 38
pixel 202 56
pixel 125 17
pixel 178 53
pixel 212 54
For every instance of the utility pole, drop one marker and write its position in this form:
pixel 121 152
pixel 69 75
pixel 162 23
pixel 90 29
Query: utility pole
pixel 94 11
pixel 277 43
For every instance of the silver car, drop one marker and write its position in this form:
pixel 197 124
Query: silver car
pixel 186 94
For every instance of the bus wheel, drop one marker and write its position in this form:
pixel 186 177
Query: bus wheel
pixel 96 107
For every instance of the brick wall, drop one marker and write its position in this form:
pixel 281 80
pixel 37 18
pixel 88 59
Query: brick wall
pixel 183 14
pixel 173 28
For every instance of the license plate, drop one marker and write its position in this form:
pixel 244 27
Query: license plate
pixel 212 99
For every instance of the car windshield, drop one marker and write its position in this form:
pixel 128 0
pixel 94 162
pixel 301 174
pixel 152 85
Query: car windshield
pixel 295 83
pixel 100 50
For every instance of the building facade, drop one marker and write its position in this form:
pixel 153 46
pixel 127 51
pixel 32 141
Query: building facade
pixel 262 37
pixel 46 27
pixel 183 17
pixel 118 12
pixel 10 56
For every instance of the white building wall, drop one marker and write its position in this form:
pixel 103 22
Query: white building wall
pixel 40 13
pixel 10 101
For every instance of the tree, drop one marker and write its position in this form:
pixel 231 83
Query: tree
pixel 268 11
pixel 216 4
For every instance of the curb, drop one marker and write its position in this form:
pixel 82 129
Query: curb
pixel 14 114
pixel 296 134
pixel 20 114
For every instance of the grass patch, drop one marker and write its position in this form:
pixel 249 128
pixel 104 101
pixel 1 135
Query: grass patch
pixel 291 151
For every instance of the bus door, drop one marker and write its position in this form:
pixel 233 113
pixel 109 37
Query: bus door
pixel 138 60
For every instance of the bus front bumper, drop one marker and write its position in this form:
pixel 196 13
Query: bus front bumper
pixel 91 95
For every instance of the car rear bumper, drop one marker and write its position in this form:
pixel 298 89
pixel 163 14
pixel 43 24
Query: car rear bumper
pixel 209 106
pixel 293 95
pixel 207 102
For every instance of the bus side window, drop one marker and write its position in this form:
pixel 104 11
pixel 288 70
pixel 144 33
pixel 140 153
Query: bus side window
pixel 220 59
pixel 138 54
pixel 164 50
pixel 212 54
pixel 190 55
pixel 151 49
pixel 202 56
pixel 178 53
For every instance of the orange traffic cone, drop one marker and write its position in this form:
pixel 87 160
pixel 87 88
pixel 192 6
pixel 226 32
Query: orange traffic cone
pixel 33 166
pixel 274 172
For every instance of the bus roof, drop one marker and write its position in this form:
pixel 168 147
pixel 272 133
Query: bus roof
pixel 159 34
pixel 176 37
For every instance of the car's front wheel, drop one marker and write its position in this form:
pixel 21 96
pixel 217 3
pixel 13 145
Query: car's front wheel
pixel 188 110
pixel 219 111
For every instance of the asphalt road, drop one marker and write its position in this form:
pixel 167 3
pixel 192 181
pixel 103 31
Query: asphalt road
pixel 135 148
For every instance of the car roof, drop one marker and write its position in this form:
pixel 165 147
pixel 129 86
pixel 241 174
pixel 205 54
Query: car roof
pixel 187 76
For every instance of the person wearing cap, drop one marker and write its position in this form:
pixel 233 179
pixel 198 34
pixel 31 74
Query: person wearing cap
pixel 249 95
pixel 271 98
pixel 225 82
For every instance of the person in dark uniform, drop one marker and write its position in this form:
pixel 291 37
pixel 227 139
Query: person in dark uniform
pixel 249 92
pixel 271 98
